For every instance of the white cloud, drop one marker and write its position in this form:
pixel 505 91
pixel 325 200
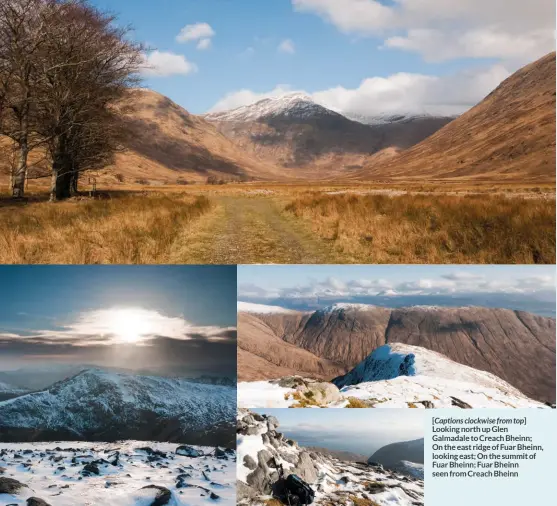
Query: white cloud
pixel 204 44
pixel 458 282
pixel 165 64
pixel 287 46
pixel 415 93
pixel 246 97
pixel 442 29
pixel 122 325
pixel 197 31
pixel 437 45
pixel 398 93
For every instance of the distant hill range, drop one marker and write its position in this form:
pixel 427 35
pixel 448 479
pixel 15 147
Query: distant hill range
pixel 516 346
pixel 393 454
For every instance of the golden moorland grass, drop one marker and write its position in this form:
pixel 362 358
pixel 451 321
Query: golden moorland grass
pixel 432 228
pixel 137 228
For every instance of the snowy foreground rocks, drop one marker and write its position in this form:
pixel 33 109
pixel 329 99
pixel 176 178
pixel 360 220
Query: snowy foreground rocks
pixel 126 473
pixel 393 376
pixel 262 448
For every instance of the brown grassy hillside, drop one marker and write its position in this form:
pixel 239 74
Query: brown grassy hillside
pixel 509 136
pixel 166 144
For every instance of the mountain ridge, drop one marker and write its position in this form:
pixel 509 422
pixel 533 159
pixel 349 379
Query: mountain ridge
pixel 110 406
pixel 516 346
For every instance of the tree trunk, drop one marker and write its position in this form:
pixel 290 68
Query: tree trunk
pixel 74 180
pixel 61 172
pixel 20 174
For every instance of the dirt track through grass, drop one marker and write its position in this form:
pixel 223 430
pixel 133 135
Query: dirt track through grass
pixel 243 230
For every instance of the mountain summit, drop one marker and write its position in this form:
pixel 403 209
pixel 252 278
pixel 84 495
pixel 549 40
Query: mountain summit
pixel 293 106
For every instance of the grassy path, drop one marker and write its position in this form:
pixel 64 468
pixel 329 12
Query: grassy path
pixel 244 230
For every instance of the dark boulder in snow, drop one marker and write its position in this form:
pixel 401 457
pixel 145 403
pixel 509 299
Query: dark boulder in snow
pixel 162 495
pixel 90 469
pixel 10 486
pixel 188 451
pixel 36 501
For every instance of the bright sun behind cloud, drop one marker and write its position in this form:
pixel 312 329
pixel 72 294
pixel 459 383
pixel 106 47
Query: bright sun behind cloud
pixel 130 325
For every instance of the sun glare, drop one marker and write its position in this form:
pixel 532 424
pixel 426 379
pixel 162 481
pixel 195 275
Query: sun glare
pixel 129 325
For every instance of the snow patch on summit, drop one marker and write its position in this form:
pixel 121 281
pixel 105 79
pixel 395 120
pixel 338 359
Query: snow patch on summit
pixel 296 105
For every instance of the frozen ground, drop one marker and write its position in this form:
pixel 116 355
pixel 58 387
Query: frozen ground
pixel 65 474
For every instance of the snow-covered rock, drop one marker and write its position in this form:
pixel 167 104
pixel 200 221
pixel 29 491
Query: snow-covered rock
pixel 401 375
pixel 262 449
pixel 127 473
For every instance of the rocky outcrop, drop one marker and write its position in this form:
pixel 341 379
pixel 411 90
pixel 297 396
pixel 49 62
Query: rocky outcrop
pixel 517 346
pixel 263 449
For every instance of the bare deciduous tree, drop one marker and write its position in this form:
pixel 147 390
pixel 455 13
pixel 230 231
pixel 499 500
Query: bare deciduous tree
pixel 22 33
pixel 89 65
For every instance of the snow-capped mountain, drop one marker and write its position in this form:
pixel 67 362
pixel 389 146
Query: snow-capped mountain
pixel 126 473
pixel 391 118
pixel 295 132
pixel 293 105
pixel 108 406
pixel 262 448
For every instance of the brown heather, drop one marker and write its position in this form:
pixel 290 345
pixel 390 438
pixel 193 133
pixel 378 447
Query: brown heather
pixel 128 229
pixel 432 229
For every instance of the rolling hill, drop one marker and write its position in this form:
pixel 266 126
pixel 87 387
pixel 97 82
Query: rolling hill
pixel 509 136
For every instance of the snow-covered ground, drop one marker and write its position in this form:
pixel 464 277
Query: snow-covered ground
pixel 55 472
pixel 402 376
pixel 263 394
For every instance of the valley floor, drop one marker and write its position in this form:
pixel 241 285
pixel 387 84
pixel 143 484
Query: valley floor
pixel 57 473
pixel 282 224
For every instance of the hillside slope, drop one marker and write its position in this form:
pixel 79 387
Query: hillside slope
pixel 516 346
pixel 163 143
pixel 261 354
pixel 167 142
pixel 391 455
pixel 509 136
pixel 99 405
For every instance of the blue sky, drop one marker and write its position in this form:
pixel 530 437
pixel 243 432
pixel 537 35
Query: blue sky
pixel 167 319
pixel 529 288
pixel 360 431
pixel 332 50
